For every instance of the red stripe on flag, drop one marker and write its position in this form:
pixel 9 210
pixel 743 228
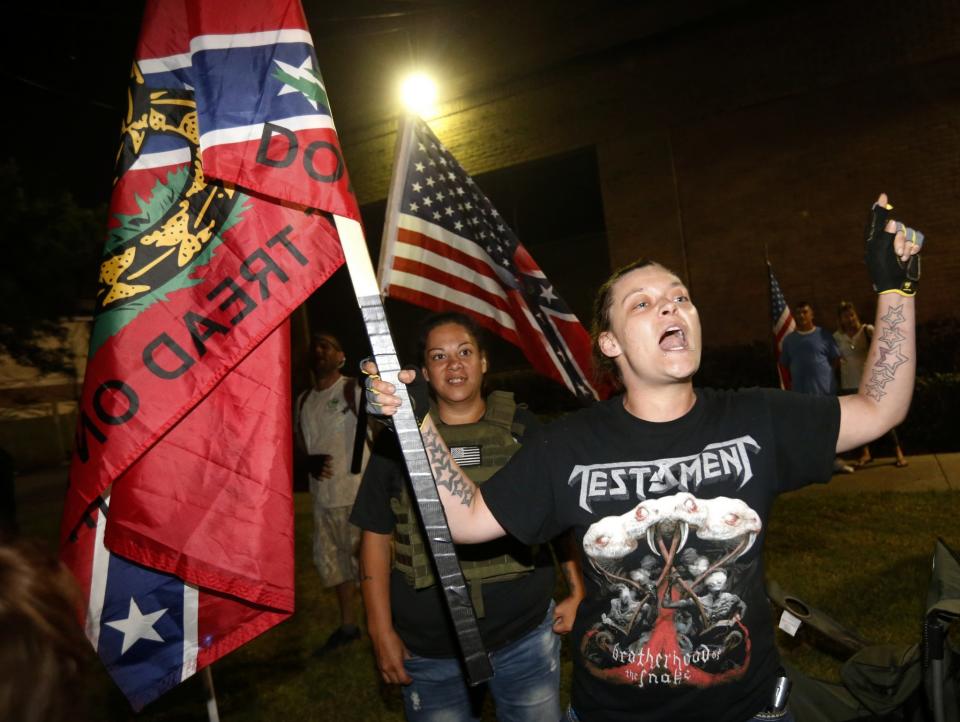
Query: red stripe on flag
pixel 458 283
pixel 246 14
pixel 166 30
pixel 433 303
pixel 447 250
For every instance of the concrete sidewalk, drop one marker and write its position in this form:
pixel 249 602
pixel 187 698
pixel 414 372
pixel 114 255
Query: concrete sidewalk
pixel 925 472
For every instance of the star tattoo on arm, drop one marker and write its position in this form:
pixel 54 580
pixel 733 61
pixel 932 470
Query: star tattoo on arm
pixel 445 472
pixel 889 355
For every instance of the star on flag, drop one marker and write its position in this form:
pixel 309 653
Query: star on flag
pixel 137 626
pixel 303 79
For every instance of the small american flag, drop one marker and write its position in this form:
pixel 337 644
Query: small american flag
pixel 783 324
pixel 466 455
pixel 446 248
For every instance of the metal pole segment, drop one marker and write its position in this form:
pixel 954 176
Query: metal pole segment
pixel 476 661
pixel 206 674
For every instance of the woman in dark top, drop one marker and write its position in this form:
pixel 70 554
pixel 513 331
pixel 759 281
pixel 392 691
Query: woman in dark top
pixel 511 583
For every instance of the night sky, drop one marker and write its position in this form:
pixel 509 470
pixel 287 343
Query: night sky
pixel 65 69
pixel 65 94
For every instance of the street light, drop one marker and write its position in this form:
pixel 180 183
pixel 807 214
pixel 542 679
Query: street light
pixel 418 92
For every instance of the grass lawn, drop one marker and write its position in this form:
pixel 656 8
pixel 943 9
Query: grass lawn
pixel 864 559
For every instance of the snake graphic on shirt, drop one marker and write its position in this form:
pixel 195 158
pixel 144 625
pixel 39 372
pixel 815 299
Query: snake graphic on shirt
pixel 669 568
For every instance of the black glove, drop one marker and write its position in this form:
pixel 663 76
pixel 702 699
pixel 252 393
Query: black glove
pixel 369 395
pixel 888 273
pixel 419 392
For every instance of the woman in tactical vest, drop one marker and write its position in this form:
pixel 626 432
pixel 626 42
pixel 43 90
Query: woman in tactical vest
pixel 511 584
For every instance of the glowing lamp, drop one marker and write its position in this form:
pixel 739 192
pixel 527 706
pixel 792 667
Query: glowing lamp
pixel 418 92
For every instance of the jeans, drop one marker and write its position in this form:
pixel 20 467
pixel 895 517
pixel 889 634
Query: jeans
pixel 571 716
pixel 525 686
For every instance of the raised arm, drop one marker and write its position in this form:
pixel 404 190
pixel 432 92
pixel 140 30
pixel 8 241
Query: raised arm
pixel 886 387
pixel 468 517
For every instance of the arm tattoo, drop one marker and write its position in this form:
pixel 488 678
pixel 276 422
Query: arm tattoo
pixel 444 471
pixel 364 577
pixel 889 357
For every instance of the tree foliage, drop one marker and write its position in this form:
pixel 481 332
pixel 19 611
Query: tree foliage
pixel 52 249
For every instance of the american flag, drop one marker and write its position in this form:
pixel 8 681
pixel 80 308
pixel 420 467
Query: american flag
pixel 783 324
pixel 445 247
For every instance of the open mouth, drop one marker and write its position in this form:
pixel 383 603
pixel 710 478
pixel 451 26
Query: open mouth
pixel 457 380
pixel 673 339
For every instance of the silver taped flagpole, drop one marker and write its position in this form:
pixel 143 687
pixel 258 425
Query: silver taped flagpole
pixel 455 592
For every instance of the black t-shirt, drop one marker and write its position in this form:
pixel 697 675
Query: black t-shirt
pixel 511 608
pixel 671 518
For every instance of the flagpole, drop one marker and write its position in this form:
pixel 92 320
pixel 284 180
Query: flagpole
pixel 679 205
pixel 206 674
pixel 394 195
pixel 773 321
pixel 456 595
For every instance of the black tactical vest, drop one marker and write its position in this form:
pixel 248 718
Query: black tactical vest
pixel 481 448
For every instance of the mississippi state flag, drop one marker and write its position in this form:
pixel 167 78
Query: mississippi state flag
pixel 178 520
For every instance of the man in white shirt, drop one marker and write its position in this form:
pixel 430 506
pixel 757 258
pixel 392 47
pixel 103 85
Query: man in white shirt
pixel 326 425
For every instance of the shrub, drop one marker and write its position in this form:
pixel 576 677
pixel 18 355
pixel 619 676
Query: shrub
pixel 930 426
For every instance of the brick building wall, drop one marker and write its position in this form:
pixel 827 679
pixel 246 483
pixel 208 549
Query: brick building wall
pixel 759 131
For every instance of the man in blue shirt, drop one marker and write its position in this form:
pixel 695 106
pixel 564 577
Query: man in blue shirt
pixel 812 355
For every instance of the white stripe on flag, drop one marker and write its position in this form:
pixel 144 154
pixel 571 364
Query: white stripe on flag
pixel 548 347
pixel 441 234
pixel 445 293
pixel 419 254
pixel 571 357
pixel 160 160
pixel 149 66
pixel 191 606
pixel 413 252
pixel 98 577
pixel 247 133
pixel 569 317
pixel 249 40
pixel 782 319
